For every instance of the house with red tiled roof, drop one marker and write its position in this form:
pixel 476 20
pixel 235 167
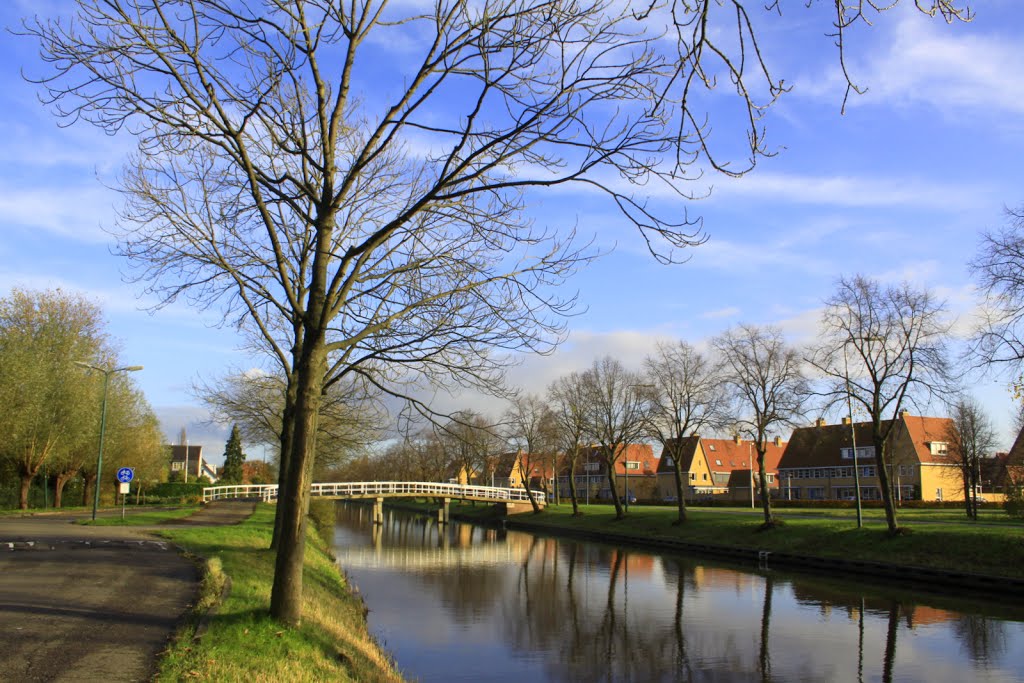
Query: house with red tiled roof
pixel 716 468
pixel 819 461
pixel 636 466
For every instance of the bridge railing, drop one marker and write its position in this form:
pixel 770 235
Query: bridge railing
pixel 366 489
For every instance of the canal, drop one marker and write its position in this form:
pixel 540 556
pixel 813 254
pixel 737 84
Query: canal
pixel 467 603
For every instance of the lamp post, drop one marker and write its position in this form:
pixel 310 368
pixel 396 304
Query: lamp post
pixel 107 372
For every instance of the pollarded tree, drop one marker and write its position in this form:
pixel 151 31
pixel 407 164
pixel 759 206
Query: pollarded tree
pixel 233 458
pixel 687 395
pixel 765 377
pixel 883 348
pixel 617 411
pixel 971 438
pixel 45 396
pixel 360 217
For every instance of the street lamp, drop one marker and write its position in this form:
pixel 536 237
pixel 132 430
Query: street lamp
pixel 107 372
pixel 853 430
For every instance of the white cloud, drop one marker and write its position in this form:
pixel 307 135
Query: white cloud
pixel 728 312
pixel 71 212
pixel 849 191
pixel 924 61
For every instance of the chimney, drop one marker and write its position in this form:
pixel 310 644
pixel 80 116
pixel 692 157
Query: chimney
pixel 820 422
pixel 737 439
pixel 846 420
pixel 778 441
pixel 904 414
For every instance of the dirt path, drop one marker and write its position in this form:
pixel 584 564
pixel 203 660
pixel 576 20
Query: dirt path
pixel 83 603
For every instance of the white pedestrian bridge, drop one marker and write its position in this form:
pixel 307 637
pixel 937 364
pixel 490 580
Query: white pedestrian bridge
pixel 380 489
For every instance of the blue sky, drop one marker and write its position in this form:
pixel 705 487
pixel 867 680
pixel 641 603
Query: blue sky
pixel 898 188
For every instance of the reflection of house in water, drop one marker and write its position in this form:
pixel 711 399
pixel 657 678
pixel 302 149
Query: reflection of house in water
pixel 636 565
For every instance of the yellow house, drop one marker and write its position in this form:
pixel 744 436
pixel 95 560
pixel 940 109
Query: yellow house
pixel 719 467
pixel 818 463
pixel 698 481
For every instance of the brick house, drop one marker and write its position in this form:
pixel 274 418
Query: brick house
pixel 818 463
pixel 719 468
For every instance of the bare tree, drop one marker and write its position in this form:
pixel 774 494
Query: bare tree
pixel 469 439
pixel 999 270
pixel 688 395
pixel 388 231
pixel 971 438
pixel 765 377
pixel 567 397
pixel 617 413
pixel 527 425
pixel 896 337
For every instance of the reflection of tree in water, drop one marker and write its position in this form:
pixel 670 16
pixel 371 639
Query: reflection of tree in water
pixel 983 639
pixel 571 602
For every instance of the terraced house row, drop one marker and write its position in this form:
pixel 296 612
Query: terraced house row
pixel 817 463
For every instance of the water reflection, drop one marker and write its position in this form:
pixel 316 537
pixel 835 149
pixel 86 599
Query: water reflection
pixel 467 603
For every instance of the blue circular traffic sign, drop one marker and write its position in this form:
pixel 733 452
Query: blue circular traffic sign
pixel 125 475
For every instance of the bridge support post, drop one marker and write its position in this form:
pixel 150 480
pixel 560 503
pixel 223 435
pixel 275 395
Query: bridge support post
pixel 378 511
pixel 442 512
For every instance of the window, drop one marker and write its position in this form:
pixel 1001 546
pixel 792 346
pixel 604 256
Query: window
pixel 592 467
pixel 693 476
pixel 718 462
pixel 938 494
pixel 177 466
pixel 862 452
pixel 668 461
pixel 815 492
pixel 771 478
pixel 906 470
pixel 939 448
pixel 711 446
pixel 705 476
pixel 632 464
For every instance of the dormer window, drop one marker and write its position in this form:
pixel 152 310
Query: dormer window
pixel 711 446
pixel 938 448
pixel 718 462
pixel 862 452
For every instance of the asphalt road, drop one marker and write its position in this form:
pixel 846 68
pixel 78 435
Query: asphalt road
pixel 84 603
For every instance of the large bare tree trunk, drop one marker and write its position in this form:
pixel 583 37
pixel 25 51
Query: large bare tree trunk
pixel 572 487
pixel 883 483
pixel 677 470
pixel 766 501
pixel 286 594
pixel 619 513
pixel 287 432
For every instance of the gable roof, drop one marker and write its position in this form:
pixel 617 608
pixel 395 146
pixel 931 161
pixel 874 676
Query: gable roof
pixel 195 453
pixel 686 449
pixel 820 445
pixel 741 455
pixel 926 430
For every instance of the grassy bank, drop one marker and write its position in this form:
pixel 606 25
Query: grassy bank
pixel 996 550
pixel 242 643
pixel 144 518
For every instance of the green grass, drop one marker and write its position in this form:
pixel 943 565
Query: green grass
pixel 996 550
pixel 144 518
pixel 242 643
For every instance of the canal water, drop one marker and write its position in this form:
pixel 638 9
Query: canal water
pixel 466 603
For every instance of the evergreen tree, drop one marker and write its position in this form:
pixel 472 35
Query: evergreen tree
pixel 233 458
